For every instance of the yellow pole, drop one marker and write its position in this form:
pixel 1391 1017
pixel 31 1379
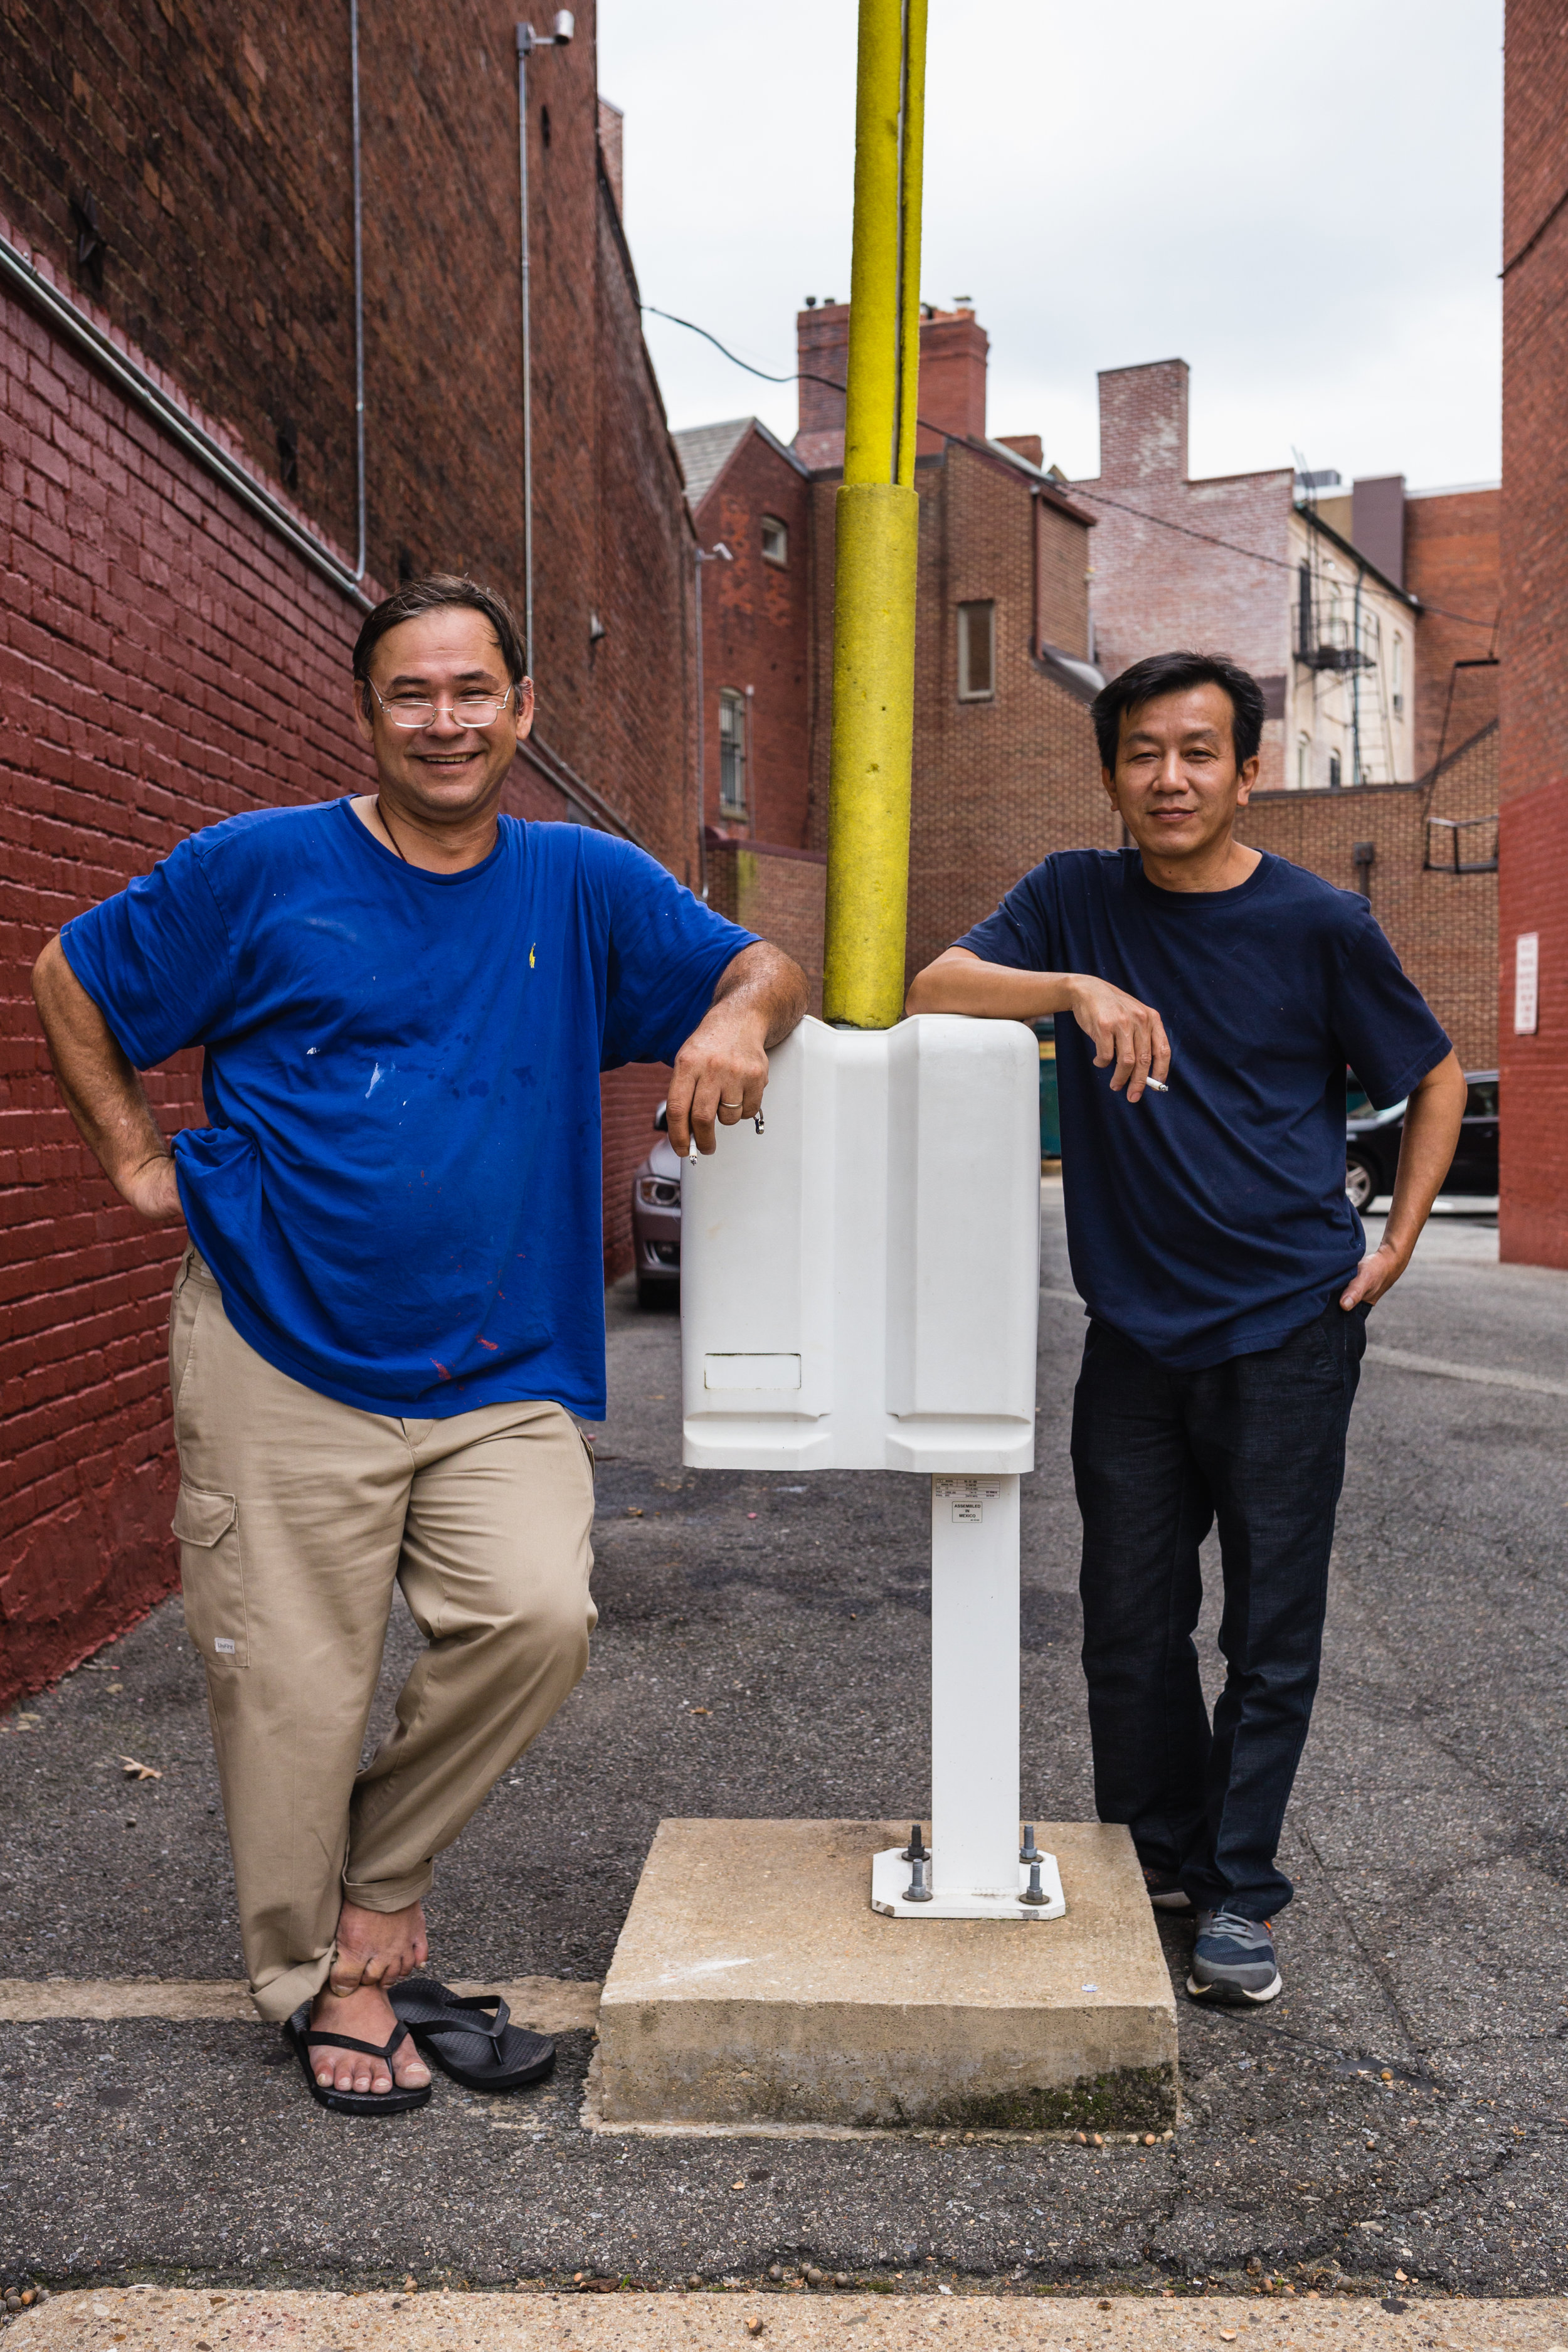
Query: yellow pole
pixel 877 524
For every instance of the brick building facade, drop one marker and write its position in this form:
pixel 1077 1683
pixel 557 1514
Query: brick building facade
pixel 1369 617
pixel 1533 1222
pixel 179 504
pixel 1005 766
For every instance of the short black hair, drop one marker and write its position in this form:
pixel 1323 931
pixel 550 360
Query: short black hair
pixel 432 594
pixel 1178 674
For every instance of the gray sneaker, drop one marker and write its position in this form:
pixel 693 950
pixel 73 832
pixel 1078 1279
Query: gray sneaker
pixel 1233 1959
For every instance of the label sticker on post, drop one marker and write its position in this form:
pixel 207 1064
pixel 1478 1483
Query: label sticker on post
pixel 968 1498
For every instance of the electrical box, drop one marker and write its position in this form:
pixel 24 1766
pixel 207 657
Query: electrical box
pixel 859 1284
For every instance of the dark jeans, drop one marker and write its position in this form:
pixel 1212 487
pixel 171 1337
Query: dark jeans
pixel 1257 1444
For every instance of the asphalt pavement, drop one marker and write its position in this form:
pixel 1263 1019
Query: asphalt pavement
pixel 1396 2123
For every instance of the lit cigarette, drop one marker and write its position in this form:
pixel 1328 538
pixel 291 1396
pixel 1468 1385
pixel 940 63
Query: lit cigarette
pixel 1156 1087
pixel 691 1149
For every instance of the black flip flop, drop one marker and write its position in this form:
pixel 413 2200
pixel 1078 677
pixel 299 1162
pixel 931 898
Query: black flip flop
pixel 471 2037
pixel 298 2033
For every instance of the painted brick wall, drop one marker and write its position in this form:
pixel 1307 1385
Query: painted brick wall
pixel 1533 1222
pixel 1532 1225
pixel 755 626
pixel 1155 589
pixel 165 662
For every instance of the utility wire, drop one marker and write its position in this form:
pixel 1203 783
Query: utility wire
pixel 1095 496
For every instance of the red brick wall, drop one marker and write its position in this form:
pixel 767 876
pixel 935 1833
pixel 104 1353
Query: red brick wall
pixel 1444 927
pixel 1534 1212
pixel 1451 563
pixel 778 892
pixel 1064 552
pixel 163 665
pixel 1155 589
pixel 627 1100
pixel 755 622
pixel 1534 527
pixel 996 785
pixel 165 662
pixel 1534 679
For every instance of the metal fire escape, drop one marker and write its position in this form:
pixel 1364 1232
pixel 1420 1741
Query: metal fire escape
pixel 1348 644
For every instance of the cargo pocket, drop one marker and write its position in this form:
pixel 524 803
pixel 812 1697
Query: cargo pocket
pixel 211 1575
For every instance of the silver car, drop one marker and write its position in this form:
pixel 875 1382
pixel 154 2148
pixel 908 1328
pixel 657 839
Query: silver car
pixel 656 1219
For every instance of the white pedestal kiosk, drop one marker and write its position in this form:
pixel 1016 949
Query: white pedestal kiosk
pixel 861 1290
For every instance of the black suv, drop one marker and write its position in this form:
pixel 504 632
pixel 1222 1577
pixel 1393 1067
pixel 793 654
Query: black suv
pixel 1372 1146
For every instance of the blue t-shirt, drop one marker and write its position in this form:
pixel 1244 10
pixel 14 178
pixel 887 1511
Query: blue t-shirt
pixel 399 1190
pixel 1212 1221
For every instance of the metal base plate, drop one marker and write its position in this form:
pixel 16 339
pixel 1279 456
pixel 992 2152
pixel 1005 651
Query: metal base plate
pixel 890 1875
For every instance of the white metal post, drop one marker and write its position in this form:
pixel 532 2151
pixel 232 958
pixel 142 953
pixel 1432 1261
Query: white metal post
pixel 974 1686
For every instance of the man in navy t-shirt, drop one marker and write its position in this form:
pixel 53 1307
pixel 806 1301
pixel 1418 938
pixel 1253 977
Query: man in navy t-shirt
pixel 391 1314
pixel 1207 999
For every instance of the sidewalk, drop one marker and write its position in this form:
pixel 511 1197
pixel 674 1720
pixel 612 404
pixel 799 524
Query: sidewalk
pixel 762 1650
pixel 792 2321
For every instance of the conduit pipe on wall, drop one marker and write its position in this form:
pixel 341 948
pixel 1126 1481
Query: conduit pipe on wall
pixel 138 388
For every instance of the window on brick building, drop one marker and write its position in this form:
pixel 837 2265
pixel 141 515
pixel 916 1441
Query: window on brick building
pixel 1396 675
pixel 977 652
pixel 732 752
pixel 775 541
pixel 1334 771
pixel 1303 762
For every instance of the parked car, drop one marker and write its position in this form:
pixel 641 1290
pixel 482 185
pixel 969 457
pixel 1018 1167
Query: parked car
pixel 656 1219
pixel 1372 1146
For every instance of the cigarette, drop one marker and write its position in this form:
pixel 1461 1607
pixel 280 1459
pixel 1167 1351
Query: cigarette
pixel 691 1149
pixel 1156 1086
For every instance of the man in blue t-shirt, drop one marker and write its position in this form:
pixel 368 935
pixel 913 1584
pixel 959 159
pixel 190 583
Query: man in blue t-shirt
pixel 391 1314
pixel 1207 998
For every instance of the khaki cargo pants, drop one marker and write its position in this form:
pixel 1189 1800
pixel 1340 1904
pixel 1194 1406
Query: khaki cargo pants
pixel 296 1516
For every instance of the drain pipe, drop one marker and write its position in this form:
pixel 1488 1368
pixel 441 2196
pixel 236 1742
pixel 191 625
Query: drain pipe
pixel 359 290
pixel 560 31
pixel 719 554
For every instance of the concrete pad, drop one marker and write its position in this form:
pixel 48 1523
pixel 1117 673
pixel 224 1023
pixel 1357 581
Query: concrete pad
pixel 547 2004
pixel 752 1983
pixel 792 2320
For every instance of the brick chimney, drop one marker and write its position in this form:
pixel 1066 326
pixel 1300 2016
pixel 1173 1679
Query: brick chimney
pixel 822 347
pixel 1144 421
pixel 953 348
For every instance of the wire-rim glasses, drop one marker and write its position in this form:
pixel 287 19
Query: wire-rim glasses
pixel 413 712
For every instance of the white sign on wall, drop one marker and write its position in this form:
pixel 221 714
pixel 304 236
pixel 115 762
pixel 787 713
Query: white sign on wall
pixel 1526 984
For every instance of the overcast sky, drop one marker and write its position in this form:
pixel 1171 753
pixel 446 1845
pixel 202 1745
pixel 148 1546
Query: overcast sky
pixel 1303 201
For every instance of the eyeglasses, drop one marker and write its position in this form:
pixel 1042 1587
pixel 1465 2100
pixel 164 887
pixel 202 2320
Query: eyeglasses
pixel 411 711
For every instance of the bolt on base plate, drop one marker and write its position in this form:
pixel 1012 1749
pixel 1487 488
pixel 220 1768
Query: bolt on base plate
pixel 890 1878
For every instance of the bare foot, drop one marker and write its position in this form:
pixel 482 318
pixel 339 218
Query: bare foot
pixel 374 1948
pixel 377 1947
pixel 366 2016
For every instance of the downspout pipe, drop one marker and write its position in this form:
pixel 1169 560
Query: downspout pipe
pixel 528 40
pixel 525 42
pixel 359 290
pixel 717 553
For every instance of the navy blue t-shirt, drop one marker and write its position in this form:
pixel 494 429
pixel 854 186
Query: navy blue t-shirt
pixel 399 1192
pixel 1212 1221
